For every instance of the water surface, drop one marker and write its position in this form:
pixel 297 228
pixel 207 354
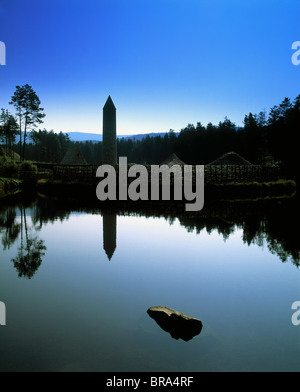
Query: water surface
pixel 77 283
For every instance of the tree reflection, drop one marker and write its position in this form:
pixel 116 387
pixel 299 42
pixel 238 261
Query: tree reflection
pixel 263 222
pixel 30 251
pixel 269 223
pixel 9 228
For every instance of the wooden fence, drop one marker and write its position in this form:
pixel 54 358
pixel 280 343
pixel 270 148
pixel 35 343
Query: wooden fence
pixel 240 173
pixel 85 173
pixel 212 173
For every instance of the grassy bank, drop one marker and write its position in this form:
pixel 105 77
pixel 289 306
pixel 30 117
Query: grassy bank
pixel 251 190
pixel 9 168
pixel 13 174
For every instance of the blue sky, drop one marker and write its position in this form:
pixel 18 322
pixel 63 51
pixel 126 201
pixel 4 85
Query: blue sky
pixel 165 63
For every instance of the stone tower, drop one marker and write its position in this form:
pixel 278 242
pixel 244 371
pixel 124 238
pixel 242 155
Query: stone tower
pixel 109 142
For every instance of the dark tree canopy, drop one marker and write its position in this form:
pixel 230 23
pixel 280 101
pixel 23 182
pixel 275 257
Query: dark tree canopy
pixel 8 130
pixel 263 138
pixel 28 110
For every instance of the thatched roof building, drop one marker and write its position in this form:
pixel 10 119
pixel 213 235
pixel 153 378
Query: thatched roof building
pixel 73 156
pixel 173 160
pixel 9 153
pixel 231 158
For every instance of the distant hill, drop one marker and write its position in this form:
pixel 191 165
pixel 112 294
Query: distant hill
pixel 140 136
pixel 82 136
pixel 95 137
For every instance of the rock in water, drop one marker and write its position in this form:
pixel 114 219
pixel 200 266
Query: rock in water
pixel 179 325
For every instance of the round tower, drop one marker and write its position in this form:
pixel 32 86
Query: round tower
pixel 109 142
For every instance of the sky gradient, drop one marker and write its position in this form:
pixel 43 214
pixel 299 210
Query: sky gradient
pixel 165 63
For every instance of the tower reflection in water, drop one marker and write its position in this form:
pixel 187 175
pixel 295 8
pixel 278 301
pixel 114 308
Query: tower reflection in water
pixel 109 233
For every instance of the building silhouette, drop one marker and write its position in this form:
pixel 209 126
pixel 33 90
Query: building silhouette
pixel 109 233
pixel 74 156
pixel 109 140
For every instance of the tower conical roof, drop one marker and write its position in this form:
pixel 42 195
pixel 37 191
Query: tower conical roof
pixel 109 233
pixel 109 104
pixel 109 252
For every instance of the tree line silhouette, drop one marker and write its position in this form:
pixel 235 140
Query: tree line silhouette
pixel 263 139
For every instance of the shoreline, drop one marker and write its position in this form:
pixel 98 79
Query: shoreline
pixel 227 191
pixel 10 187
pixel 278 189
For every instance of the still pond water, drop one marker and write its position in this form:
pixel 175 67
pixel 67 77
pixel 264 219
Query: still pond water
pixel 77 283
